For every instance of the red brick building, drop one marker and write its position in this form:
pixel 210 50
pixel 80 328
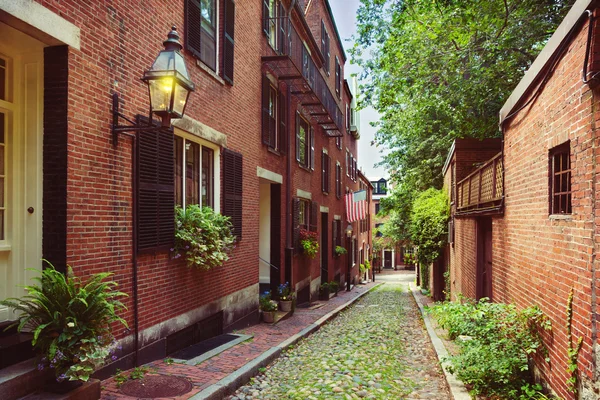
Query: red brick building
pixel 525 226
pixel 266 139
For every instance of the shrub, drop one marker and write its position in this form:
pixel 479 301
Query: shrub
pixel 428 224
pixel 266 304
pixel 339 250
pixel 70 321
pixel 203 236
pixel 309 242
pixel 334 286
pixel 493 360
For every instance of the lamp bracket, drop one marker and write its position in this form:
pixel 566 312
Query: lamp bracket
pixel 132 127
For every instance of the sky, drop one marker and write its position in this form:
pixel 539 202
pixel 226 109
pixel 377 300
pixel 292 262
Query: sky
pixel 344 13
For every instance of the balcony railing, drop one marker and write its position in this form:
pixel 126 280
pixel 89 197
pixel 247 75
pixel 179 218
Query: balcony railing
pixel 483 189
pixel 293 63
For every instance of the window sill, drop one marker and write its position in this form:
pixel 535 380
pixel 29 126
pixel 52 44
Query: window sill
pixel 305 168
pixel 5 248
pixel 273 151
pixel 561 217
pixel 210 72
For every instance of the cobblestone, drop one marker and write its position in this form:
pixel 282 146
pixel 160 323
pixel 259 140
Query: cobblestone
pixel 377 349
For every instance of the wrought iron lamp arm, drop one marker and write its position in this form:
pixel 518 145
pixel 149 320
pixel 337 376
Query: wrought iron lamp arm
pixel 134 127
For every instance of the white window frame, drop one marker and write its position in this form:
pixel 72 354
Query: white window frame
pixel 216 166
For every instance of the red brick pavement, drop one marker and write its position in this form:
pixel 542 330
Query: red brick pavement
pixel 265 336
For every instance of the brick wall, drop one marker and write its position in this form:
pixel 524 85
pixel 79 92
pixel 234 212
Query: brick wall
pixel 118 41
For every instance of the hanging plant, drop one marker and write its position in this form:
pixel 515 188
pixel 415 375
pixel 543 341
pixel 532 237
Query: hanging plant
pixel 309 242
pixel 202 236
pixel 339 250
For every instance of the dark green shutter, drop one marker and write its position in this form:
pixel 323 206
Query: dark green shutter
pixel 314 215
pixel 228 42
pixel 232 189
pixel 296 225
pixel 155 197
pixel 266 118
pixel 283 133
pixel 192 27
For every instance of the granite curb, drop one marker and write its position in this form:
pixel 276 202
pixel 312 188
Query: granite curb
pixel 233 381
pixel 457 388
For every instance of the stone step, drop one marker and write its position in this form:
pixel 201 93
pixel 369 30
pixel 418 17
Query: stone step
pixel 15 348
pixel 21 379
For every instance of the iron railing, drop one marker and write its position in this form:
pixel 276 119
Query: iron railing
pixel 286 42
pixel 483 189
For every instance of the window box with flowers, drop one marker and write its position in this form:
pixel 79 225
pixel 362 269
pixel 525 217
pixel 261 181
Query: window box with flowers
pixel 309 242
pixel 339 250
pixel 71 323
pixel 202 236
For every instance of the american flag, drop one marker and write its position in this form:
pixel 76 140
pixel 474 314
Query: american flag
pixel 356 205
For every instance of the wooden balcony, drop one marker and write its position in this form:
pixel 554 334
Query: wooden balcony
pixel 482 192
pixel 290 61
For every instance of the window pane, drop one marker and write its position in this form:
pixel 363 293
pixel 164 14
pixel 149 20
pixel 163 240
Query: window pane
pixel 207 177
pixel 2 180
pixel 179 171
pixel 1 224
pixel 302 140
pixel 208 12
pixel 192 173
pixel 302 214
pixel 2 79
pixel 1 128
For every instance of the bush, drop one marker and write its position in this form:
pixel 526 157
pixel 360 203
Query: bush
pixel 493 359
pixel 70 321
pixel 334 286
pixel 203 236
pixel 428 224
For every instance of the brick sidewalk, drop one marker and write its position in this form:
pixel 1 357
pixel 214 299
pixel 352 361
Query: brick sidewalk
pixel 265 337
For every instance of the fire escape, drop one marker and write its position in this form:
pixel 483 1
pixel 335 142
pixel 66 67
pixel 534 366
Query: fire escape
pixel 291 61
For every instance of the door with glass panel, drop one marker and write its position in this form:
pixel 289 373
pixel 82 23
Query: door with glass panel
pixel 21 134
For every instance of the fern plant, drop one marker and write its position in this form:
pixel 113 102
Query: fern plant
pixel 70 321
pixel 202 236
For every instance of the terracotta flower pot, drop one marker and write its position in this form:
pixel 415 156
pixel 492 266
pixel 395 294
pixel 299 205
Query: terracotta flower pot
pixel 268 316
pixel 285 305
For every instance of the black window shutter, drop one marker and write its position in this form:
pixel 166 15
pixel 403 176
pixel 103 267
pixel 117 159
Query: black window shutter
pixel 312 148
pixel 155 190
pixel 228 42
pixel 334 236
pixel 232 189
pixel 192 27
pixel 296 224
pixel 266 118
pixel 314 215
pixel 266 17
pixel 297 138
pixel 282 123
pixel 323 162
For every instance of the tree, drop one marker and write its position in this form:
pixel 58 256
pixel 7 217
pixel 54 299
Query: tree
pixel 437 70
pixel 428 224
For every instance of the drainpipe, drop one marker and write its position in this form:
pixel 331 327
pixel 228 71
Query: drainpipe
pixel 288 177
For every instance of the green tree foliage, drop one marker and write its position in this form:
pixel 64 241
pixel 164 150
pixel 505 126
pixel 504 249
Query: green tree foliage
pixel 437 70
pixel 428 224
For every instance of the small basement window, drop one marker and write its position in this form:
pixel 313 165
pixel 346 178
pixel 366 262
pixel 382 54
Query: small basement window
pixel 560 179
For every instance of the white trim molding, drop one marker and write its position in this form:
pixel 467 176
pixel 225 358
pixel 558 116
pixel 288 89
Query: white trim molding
pixel 324 209
pixel 304 194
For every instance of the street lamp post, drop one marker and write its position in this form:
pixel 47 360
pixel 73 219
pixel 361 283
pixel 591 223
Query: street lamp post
pixel 349 232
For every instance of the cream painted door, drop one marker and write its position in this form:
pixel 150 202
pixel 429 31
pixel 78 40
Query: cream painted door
pixel 21 135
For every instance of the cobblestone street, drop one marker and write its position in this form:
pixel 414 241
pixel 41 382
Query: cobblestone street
pixel 376 349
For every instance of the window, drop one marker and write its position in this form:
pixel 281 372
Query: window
pixel 202 30
pixel 194 173
pixel 325 46
pixel 274 117
pixel 377 208
pixel 270 21
pixel 348 161
pixel 305 215
pixel 2 172
pixel 338 142
pixel 3 75
pixel 305 143
pixel 560 179
pixel 338 180
pixel 347 118
pixel 325 174
pixel 338 78
pixel 378 228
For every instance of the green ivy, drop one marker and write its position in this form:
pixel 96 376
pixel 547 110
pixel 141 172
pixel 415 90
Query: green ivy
pixel 500 339
pixel 70 321
pixel 202 236
pixel 429 224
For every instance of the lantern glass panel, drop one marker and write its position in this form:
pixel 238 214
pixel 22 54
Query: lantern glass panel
pixel 180 99
pixel 160 94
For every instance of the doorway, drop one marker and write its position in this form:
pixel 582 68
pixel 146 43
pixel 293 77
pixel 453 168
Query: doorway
pixel 484 258
pixel 269 238
pixel 324 247
pixel 387 259
pixel 21 139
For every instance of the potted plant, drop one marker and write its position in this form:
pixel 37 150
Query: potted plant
pixel 71 323
pixel 361 269
pixel 268 307
pixel 309 242
pixel 324 291
pixel 285 297
pixel 202 236
pixel 339 250
pixel 334 287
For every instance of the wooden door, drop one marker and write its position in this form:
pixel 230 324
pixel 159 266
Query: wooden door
pixel 387 259
pixel 484 258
